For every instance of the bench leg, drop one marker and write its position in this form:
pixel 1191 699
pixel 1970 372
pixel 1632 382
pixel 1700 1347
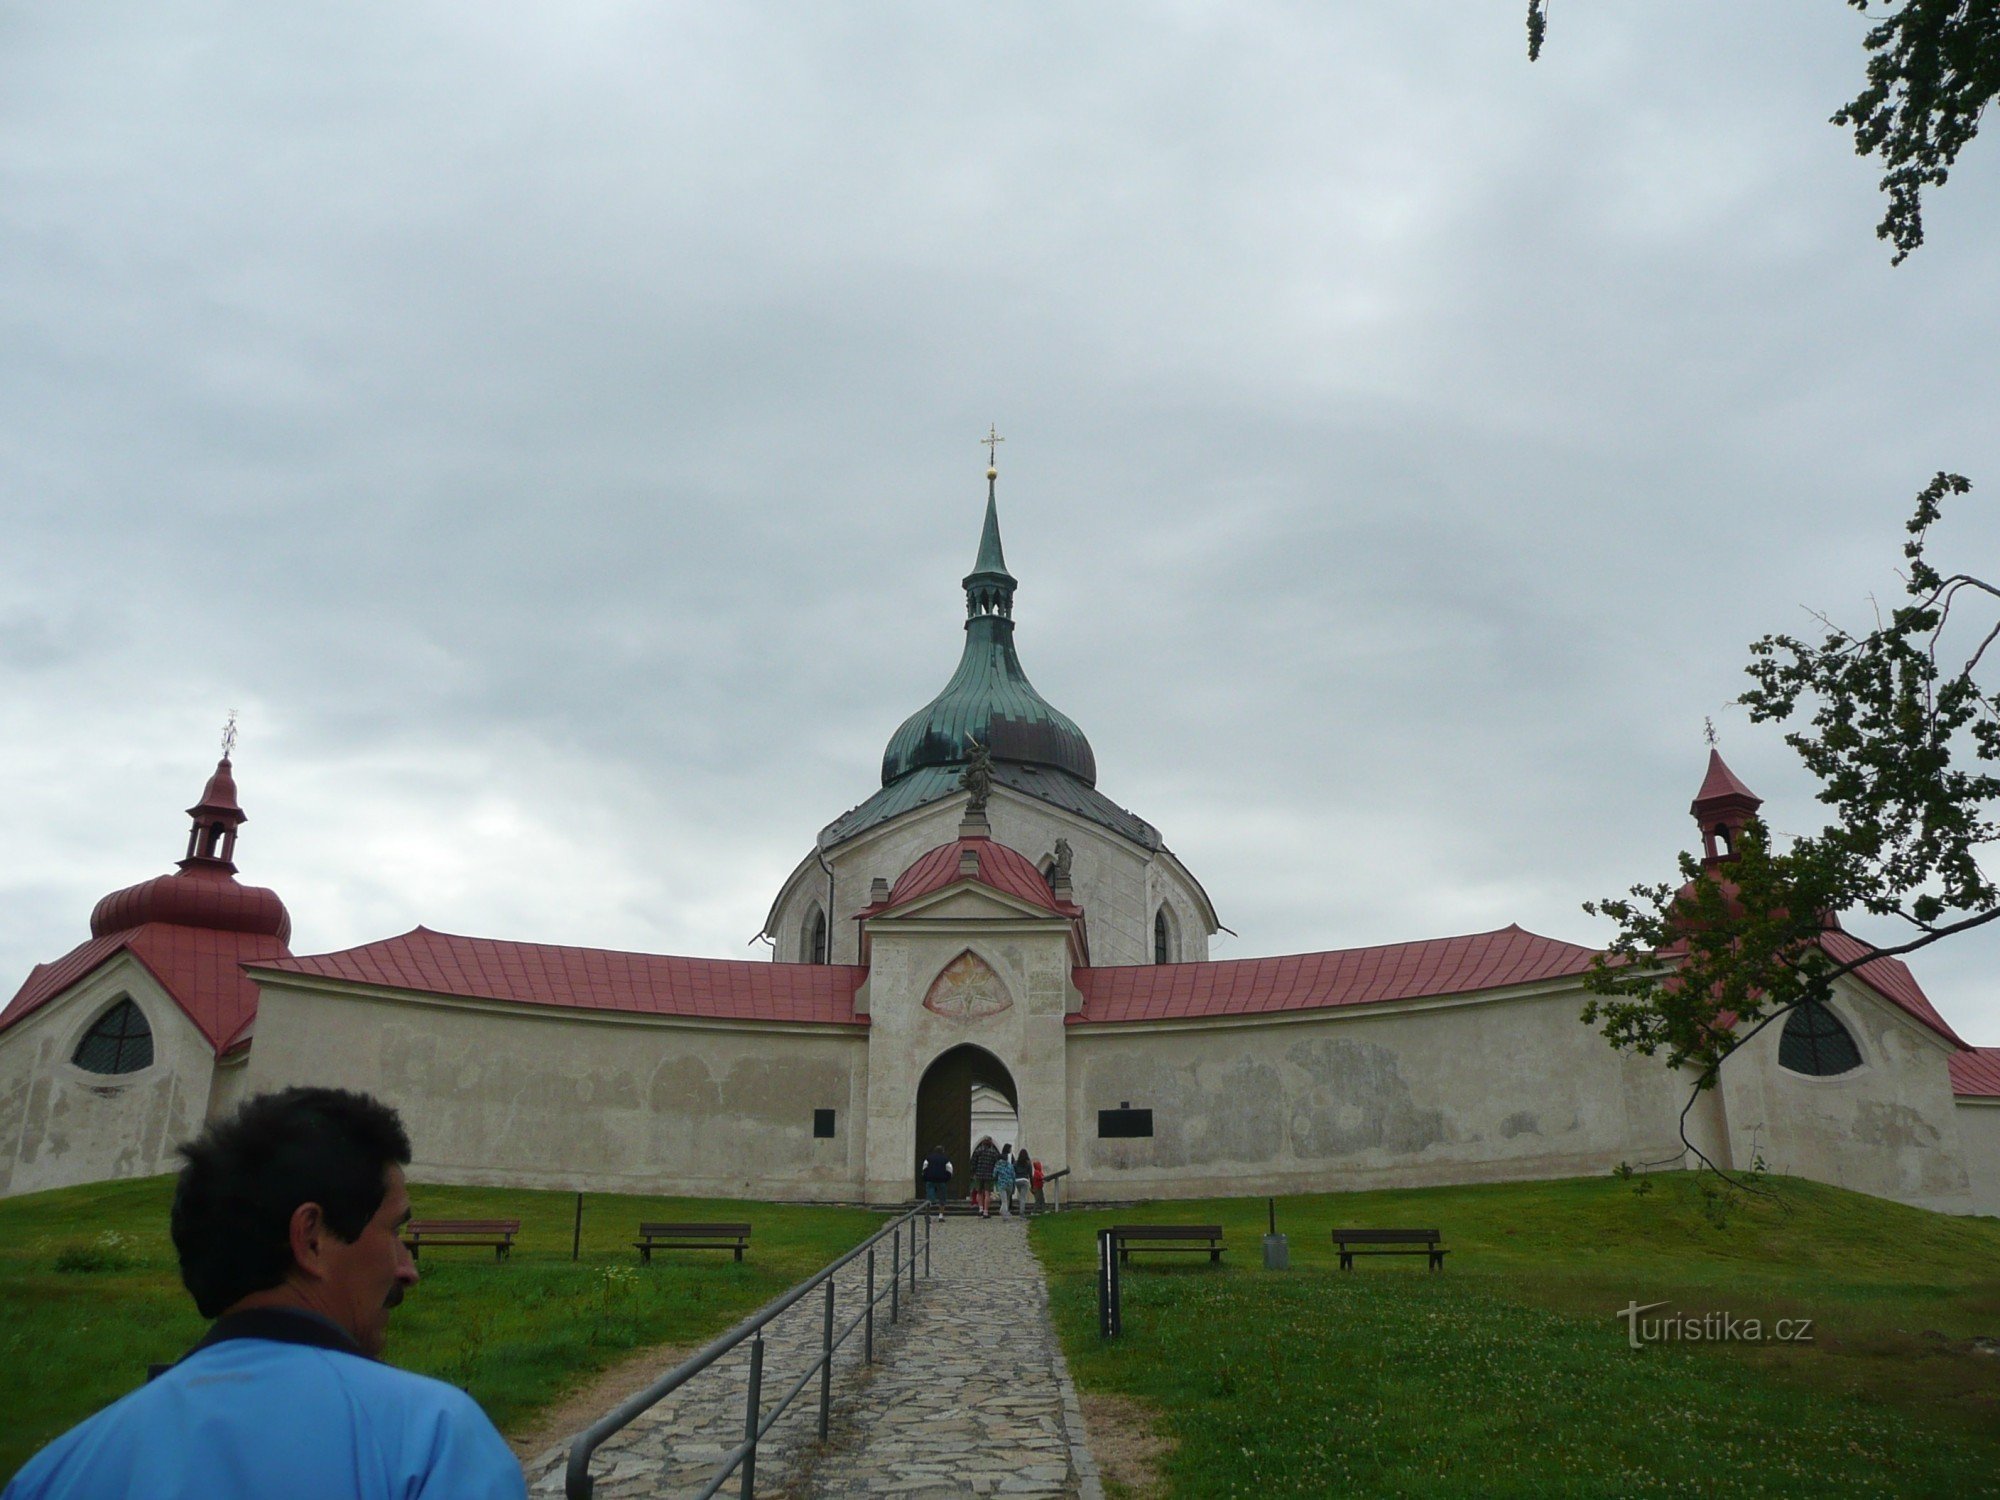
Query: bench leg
pixel 1215 1257
pixel 739 1254
pixel 1347 1260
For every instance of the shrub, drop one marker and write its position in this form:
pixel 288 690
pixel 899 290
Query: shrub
pixel 109 1251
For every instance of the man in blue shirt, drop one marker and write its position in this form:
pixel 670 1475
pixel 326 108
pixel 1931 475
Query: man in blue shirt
pixel 287 1220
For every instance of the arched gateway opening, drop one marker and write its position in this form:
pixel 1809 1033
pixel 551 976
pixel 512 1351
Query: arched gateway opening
pixel 958 1083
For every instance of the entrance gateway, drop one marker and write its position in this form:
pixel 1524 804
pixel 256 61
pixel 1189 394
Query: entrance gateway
pixel 945 1110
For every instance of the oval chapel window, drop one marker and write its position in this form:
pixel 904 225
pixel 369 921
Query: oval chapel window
pixel 1816 1044
pixel 120 1042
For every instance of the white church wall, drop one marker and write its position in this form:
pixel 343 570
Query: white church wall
pixel 993 1115
pixel 534 1097
pixel 1979 1134
pixel 1117 883
pixel 1030 958
pixel 228 1090
pixel 1379 1096
pixel 1887 1127
pixel 61 1125
pixel 1169 885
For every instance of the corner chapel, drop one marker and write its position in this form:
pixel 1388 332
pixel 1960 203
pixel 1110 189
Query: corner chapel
pixel 986 925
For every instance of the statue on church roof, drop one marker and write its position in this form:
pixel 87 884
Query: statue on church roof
pixel 977 778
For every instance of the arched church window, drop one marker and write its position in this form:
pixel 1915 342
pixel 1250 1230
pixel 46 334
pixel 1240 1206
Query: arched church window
pixel 1163 938
pixel 1816 1044
pixel 120 1042
pixel 815 938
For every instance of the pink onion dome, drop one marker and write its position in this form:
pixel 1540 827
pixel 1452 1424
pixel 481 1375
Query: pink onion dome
pixel 198 897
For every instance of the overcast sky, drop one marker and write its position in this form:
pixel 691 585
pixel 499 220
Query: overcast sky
pixel 555 430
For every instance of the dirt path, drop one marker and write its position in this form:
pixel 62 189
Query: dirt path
pixel 591 1400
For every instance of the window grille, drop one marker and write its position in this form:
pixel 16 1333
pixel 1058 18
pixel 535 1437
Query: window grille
pixel 120 1042
pixel 1816 1044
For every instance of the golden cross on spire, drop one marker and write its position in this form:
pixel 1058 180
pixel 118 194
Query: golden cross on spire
pixel 229 736
pixel 992 441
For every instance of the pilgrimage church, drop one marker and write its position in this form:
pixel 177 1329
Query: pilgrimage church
pixel 986 926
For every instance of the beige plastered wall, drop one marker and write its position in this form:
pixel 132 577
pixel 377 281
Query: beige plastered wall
pixel 1979 1133
pixel 61 1125
pixel 1888 1127
pixel 1503 1086
pixel 1030 957
pixel 533 1096
pixel 1119 884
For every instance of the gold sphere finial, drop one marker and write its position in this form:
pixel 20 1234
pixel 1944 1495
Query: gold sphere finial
pixel 992 473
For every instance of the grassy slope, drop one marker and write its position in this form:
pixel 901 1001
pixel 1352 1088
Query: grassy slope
pixel 1509 1374
pixel 516 1335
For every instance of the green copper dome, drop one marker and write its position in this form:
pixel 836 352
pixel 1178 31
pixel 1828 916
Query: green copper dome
pixel 989 698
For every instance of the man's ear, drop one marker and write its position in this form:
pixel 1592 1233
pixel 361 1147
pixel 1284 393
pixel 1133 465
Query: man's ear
pixel 309 1234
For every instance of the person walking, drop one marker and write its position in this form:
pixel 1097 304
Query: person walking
pixel 1024 1169
pixel 937 1177
pixel 1035 1181
pixel 985 1156
pixel 1003 1180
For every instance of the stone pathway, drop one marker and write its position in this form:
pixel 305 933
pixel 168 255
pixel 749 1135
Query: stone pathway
pixel 969 1395
pixel 975 1398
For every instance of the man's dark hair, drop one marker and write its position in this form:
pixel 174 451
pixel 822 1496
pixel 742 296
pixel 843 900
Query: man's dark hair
pixel 245 1174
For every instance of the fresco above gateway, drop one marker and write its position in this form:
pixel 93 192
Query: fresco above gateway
pixel 966 989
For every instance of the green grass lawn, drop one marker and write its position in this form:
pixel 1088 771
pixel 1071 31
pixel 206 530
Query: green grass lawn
pixel 1509 1373
pixel 517 1336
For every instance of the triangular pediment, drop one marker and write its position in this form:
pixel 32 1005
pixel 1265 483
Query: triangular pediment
pixel 969 900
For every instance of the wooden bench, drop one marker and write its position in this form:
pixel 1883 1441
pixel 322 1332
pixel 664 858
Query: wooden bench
pixel 1426 1241
pixel 1152 1236
pixel 499 1233
pixel 691 1237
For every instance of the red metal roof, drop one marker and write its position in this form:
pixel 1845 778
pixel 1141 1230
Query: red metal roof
pixel 200 967
pixel 1721 784
pixel 443 963
pixel 1000 867
pixel 1310 981
pixel 1975 1073
pixel 199 896
pixel 1890 978
pixel 219 795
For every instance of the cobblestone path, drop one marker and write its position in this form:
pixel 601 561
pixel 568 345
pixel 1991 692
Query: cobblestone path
pixel 975 1399
pixel 968 1395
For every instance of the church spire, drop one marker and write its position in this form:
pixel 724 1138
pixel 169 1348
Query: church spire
pixel 1721 808
pixel 989 700
pixel 217 816
pixel 989 587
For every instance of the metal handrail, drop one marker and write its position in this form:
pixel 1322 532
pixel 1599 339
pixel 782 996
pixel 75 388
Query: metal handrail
pixel 1049 1180
pixel 577 1483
